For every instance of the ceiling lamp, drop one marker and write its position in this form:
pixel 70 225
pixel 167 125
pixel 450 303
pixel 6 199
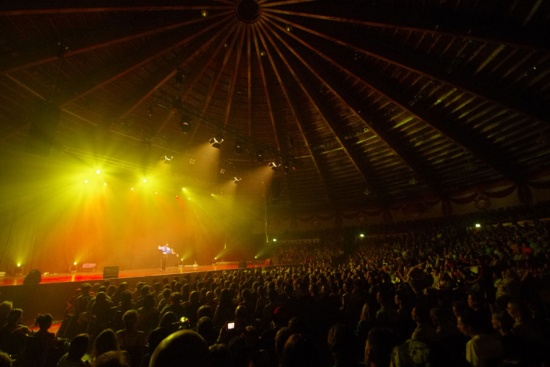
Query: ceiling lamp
pixel 185 125
pixel 274 165
pixel 238 147
pixel 168 159
pixel 216 141
pixel 259 156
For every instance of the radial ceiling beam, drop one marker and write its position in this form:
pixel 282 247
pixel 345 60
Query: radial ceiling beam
pixel 235 31
pixel 141 57
pixel 337 129
pixel 466 138
pixel 361 74
pixel 161 79
pixel 429 67
pixel 265 85
pixel 416 64
pixel 374 122
pixel 41 52
pixel 263 34
pixel 235 73
pixel 20 8
pixel 377 125
pixel 436 22
pixel 291 100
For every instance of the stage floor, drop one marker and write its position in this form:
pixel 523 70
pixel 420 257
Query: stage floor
pixel 123 274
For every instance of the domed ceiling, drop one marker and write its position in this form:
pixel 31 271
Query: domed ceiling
pixel 359 103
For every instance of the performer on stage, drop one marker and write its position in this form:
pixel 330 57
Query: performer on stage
pixel 165 251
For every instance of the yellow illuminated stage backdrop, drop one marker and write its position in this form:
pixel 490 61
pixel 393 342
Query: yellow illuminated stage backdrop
pixel 60 211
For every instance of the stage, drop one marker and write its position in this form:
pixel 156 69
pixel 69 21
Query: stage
pixel 116 273
pixel 49 293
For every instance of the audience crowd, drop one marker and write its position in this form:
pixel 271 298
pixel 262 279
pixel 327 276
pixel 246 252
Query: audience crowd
pixel 441 295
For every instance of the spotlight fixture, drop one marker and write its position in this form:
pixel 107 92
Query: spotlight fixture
pixel 185 125
pixel 168 159
pixel 236 179
pixel 274 165
pixel 260 156
pixel 238 147
pixel 216 141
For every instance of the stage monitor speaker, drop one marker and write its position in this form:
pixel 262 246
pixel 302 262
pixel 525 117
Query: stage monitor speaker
pixel 33 277
pixel 110 272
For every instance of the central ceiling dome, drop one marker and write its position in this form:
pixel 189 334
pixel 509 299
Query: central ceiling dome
pixel 248 11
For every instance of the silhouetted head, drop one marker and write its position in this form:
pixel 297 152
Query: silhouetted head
pixel 184 348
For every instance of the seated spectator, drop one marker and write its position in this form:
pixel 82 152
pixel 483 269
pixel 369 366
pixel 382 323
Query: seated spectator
pixel 175 305
pixel 484 348
pixel 13 333
pixel 184 348
pixel 424 330
pixel 220 355
pixel 47 339
pixel 106 341
pixel 164 298
pixel 225 311
pixel 148 315
pixel 529 336
pixel 77 349
pixel 378 347
pixel 344 346
pixel 168 324
pixel 131 339
pixel 205 327
pixel 5 360
pixel 191 307
pixel 301 351
pixel 234 327
pixel 503 323
pixel 5 308
pixel 112 358
pixel 42 346
pixel 412 353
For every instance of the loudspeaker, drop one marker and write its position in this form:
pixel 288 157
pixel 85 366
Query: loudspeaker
pixel 110 272
pixel 44 120
pixel 33 277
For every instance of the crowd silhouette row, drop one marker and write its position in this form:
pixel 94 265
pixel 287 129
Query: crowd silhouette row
pixel 443 295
